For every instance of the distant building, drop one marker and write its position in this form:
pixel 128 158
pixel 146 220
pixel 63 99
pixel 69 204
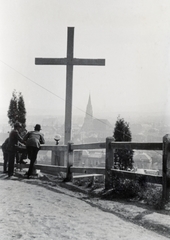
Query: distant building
pixel 94 130
pixel 142 160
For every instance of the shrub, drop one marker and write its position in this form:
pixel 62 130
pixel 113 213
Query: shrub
pixel 140 191
pixel 125 188
pixel 153 196
pixel 123 158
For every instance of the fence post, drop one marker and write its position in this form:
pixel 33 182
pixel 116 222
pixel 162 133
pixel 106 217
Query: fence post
pixel 53 157
pixel 57 158
pixel 109 164
pixel 69 162
pixel 166 168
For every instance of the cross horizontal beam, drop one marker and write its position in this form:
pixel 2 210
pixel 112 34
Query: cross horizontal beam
pixel 66 61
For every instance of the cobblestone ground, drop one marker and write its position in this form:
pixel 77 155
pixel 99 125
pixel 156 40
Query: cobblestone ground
pixel 32 212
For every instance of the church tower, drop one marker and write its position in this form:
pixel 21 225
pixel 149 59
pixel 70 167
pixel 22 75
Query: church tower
pixel 89 110
pixel 88 120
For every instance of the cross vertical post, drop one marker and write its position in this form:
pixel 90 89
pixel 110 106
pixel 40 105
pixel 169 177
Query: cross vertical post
pixel 69 84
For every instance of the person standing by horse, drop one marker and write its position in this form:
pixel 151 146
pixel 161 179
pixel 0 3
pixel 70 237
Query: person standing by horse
pixel 5 155
pixel 33 140
pixel 14 139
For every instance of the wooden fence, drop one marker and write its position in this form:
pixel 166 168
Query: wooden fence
pixel 62 160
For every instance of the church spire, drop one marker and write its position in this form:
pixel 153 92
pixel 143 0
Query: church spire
pixel 88 120
pixel 89 110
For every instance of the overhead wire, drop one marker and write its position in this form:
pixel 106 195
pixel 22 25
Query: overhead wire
pixel 39 85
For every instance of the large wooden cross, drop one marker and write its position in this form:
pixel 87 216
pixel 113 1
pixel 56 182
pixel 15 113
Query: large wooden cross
pixel 69 61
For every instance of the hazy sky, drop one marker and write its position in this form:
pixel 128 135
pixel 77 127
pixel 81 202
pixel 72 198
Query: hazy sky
pixel 133 36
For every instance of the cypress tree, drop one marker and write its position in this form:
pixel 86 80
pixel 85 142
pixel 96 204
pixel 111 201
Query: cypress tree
pixel 13 109
pixel 21 110
pixel 16 111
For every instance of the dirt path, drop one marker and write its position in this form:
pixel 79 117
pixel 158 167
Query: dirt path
pixel 32 212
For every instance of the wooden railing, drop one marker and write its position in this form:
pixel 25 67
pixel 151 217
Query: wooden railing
pixel 164 179
pixel 111 145
pixel 65 155
pixel 57 160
